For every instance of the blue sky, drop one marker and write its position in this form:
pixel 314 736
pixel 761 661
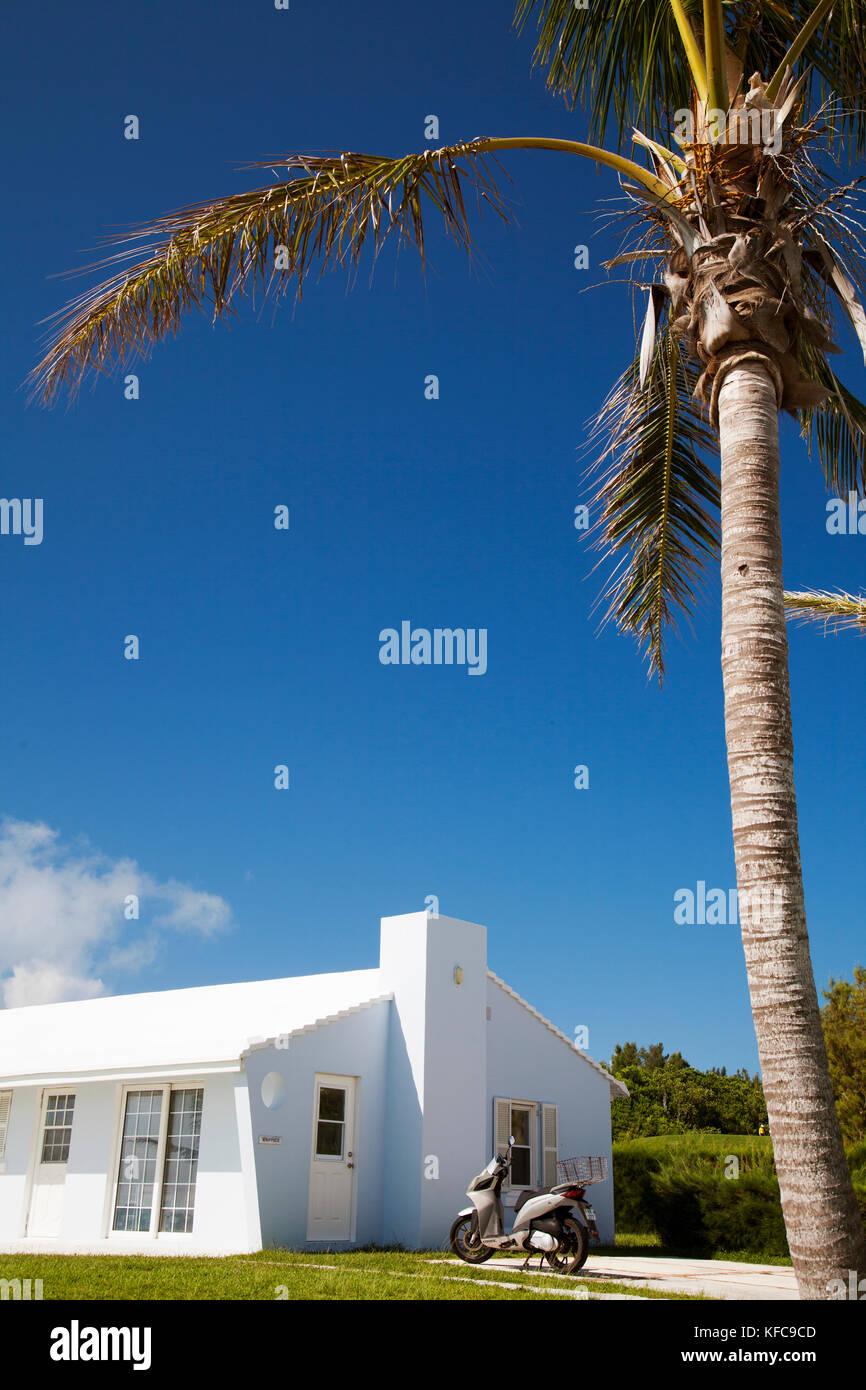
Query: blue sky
pixel 260 647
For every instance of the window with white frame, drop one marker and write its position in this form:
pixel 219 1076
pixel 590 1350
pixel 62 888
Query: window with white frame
pixel 5 1111
pixel 331 1122
pixel 158 1159
pixel 181 1161
pixel 57 1130
pixel 533 1125
pixel 521 1149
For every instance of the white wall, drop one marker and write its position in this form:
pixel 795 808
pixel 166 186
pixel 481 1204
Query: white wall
pixel 85 1196
pixel 437 1072
pixel 352 1046
pixel 526 1061
pixel 223 1215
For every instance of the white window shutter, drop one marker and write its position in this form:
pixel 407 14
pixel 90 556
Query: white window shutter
pixel 550 1143
pixel 5 1107
pixel 501 1124
pixel 502 1131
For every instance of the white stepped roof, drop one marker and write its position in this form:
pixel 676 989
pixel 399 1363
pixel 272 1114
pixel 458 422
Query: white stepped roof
pixel 178 1031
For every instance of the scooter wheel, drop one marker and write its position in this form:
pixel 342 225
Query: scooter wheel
pixel 464 1241
pixel 571 1258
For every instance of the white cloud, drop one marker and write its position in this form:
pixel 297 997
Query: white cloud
pixel 62 919
pixel 189 910
pixel 40 982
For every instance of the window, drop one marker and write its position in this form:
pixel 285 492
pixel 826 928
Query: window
pixel 181 1161
pixel 331 1122
pixel 57 1131
pixel 5 1108
pixel 138 1154
pixel 533 1125
pixel 521 1149
pixel 158 1159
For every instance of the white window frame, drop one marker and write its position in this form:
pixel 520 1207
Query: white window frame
pixel 166 1088
pixel 330 1083
pixel 5 1113
pixel 49 1094
pixel 532 1107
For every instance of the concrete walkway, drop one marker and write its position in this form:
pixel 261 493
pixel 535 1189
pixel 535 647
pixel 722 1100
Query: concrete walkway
pixel 717 1278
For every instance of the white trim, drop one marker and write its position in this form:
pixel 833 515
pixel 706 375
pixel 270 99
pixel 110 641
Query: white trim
pixel 618 1089
pixel 133 1075
pixel 311 1027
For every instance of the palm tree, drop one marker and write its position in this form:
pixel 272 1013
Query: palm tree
pixel 751 238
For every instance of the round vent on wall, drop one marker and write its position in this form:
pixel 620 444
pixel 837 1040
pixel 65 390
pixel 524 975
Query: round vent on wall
pixel 274 1090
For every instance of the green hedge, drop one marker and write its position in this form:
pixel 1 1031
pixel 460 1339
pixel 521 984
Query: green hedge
pixel 674 1186
pixel 712 1214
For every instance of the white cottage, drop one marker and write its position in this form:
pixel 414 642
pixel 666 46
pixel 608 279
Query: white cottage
pixel 350 1107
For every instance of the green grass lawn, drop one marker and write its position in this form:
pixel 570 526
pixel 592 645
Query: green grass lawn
pixel 270 1275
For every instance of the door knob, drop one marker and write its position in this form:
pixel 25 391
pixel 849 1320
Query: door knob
pixel 350 1165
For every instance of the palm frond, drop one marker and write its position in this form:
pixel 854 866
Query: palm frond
pixel 837 429
pixel 623 60
pixel 657 496
pixel 326 212
pixel 830 214
pixel 835 610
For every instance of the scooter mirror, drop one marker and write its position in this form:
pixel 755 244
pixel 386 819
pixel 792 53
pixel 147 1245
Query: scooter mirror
pixel 511 1138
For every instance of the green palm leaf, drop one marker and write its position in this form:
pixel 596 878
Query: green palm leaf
pixel 837 429
pixel 835 610
pixel 328 210
pixel 658 497
pixel 625 57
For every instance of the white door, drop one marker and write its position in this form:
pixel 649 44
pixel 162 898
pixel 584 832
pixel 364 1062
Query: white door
pixel 49 1177
pixel 332 1165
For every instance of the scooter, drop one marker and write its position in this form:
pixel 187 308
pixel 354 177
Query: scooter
pixel 545 1221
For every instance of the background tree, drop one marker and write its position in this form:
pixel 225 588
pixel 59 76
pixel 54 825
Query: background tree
pixel 749 238
pixel 668 1096
pixel 844 1021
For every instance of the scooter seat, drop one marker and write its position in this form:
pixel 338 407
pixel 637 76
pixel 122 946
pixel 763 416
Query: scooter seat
pixel 528 1193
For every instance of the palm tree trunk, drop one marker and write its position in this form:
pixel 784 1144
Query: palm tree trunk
pixel 825 1233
